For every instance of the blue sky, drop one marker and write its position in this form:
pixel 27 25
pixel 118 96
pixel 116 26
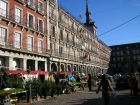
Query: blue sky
pixel 108 14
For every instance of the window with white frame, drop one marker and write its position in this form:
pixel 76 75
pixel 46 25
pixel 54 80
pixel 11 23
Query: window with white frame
pixel 3 8
pixel 30 21
pixel 40 6
pixel 40 45
pixel 40 25
pixel 30 43
pixel 18 14
pixel 17 41
pixel 3 35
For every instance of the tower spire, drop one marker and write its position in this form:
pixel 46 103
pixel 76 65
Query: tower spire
pixel 88 18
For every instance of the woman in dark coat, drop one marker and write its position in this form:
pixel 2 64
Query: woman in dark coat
pixel 89 82
pixel 106 87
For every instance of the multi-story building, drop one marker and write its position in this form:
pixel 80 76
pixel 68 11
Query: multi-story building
pixel 23 35
pixel 39 35
pixel 73 45
pixel 125 58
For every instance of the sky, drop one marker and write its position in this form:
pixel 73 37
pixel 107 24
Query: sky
pixel 108 14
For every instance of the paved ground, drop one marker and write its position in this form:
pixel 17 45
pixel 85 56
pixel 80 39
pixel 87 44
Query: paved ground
pixel 90 98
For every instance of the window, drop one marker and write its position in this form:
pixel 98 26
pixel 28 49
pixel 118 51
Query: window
pixel 67 38
pixel 3 8
pixel 53 31
pixel 31 3
pixel 61 34
pixel 73 41
pixel 17 42
pixel 60 50
pixel 40 45
pixel 30 43
pixel 3 35
pixel 30 21
pixel 40 25
pixel 40 7
pixel 18 15
pixel 51 46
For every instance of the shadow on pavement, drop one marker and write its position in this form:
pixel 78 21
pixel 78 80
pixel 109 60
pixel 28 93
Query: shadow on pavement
pixel 124 99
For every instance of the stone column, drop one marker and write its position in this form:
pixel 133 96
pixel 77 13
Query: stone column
pixel 66 68
pixel 24 64
pixel 10 63
pixel 36 65
pixel 49 67
pixel 46 66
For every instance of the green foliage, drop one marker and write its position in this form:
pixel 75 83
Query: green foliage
pixel 44 88
pixel 53 88
pixel 13 81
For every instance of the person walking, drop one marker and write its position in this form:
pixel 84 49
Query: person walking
pixel 138 82
pixel 57 82
pixel 106 88
pixel 89 82
pixel 131 84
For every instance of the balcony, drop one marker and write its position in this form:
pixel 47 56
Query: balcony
pixel 52 1
pixel 18 20
pixel 17 44
pixel 52 16
pixel 2 41
pixel 31 4
pixel 40 10
pixel 53 35
pixel 30 25
pixel 62 22
pixel 20 1
pixel 40 49
pixel 39 29
pixel 18 47
pixel 54 52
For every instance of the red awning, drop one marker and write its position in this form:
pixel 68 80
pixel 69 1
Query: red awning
pixel 38 72
pixel 14 72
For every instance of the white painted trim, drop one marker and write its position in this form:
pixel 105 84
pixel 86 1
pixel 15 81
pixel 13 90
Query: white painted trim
pixel 7 32
pixel 27 41
pixel 21 12
pixel 16 31
pixel 29 13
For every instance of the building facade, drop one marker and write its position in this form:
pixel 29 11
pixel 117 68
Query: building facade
pixel 39 35
pixel 73 45
pixel 125 58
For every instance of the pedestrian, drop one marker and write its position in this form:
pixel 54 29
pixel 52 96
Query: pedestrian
pixel 135 86
pixel 89 82
pixel 106 88
pixel 57 82
pixel 132 84
pixel 138 82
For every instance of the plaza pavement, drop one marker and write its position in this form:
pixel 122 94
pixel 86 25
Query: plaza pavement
pixel 89 98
